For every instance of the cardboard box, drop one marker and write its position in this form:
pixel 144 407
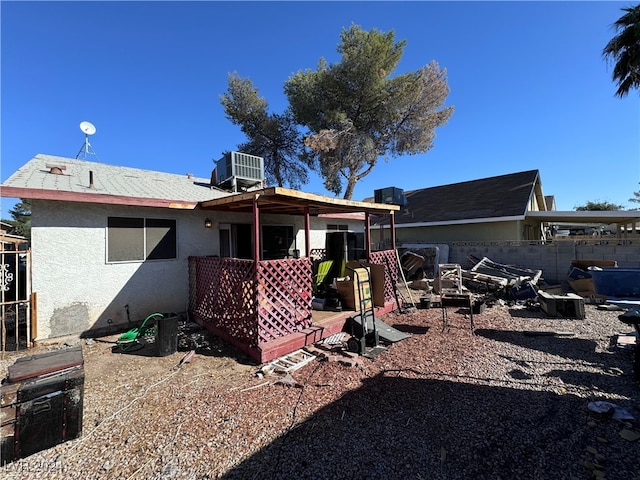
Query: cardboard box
pixel 349 290
pixel 377 274
pixel 582 285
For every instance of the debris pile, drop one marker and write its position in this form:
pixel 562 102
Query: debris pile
pixel 487 281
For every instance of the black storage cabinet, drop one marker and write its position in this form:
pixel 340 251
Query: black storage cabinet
pixel 41 403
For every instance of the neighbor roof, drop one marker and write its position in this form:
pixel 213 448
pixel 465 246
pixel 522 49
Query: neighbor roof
pixel 111 184
pixel 500 198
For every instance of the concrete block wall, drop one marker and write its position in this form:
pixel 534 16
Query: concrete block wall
pixel 554 259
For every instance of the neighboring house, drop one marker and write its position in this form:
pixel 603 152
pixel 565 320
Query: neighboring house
pixel 550 202
pixel 489 209
pixel 113 244
pixel 504 208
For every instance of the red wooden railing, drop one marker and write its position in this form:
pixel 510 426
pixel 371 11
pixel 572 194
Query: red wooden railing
pixel 224 294
pixel 251 304
pixel 284 297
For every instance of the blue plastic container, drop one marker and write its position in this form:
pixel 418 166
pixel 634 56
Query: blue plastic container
pixel 617 282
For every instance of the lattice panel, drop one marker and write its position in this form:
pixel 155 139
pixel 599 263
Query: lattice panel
pixel 318 254
pixel 390 262
pixel 225 293
pixel 284 297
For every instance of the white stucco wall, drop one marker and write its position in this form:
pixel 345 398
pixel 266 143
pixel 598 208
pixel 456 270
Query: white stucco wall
pixel 78 290
pixel 318 231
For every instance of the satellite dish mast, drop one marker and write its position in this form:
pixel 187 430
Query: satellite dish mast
pixel 88 129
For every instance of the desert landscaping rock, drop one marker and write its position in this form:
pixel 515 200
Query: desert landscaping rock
pixel 439 405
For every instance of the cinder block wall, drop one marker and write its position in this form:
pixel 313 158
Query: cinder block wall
pixel 554 259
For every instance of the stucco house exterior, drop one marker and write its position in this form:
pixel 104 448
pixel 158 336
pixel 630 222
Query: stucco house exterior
pixel 112 244
pixel 503 208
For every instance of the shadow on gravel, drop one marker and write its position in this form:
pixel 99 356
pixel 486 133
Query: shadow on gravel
pixel 567 347
pixel 394 427
pixel 412 329
pixel 574 349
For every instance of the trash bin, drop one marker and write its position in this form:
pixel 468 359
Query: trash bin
pixel 167 336
pixel 41 403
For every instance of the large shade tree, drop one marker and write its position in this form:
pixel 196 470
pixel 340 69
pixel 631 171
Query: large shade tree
pixel 21 218
pixel 356 112
pixel 623 50
pixel 274 137
pixel 598 206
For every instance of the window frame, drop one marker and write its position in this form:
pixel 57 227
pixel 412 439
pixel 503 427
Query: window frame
pixel 172 225
pixel 338 227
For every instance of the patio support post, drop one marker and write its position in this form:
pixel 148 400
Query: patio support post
pixel 256 229
pixel 392 226
pixel 367 235
pixel 307 231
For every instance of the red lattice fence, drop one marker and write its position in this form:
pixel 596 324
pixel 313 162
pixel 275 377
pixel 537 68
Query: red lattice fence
pixel 284 297
pixel 252 306
pixel 222 293
pixel 388 259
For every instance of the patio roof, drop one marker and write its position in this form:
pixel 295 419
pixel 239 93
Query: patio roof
pixel 293 202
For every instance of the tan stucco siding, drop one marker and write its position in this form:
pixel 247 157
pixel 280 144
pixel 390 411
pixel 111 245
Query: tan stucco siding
pixel 481 232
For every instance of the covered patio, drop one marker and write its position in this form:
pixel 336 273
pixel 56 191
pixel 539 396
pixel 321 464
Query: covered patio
pixel 263 306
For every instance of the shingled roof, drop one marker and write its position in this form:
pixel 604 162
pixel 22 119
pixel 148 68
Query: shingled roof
pixel 49 177
pixel 486 198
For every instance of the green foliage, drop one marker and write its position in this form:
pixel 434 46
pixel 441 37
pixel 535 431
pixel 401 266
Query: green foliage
pixel 598 206
pixel 356 112
pixel 271 136
pixel 623 50
pixel 636 197
pixel 21 218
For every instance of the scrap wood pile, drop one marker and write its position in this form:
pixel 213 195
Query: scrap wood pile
pixel 487 281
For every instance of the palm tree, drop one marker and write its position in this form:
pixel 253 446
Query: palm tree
pixel 624 51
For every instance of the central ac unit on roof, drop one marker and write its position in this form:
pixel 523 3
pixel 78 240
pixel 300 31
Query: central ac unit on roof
pixel 238 169
pixel 390 195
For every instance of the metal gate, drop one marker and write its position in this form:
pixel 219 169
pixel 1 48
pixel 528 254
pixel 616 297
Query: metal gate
pixel 17 302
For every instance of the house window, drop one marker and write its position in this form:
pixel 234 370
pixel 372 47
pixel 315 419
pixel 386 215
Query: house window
pixel 138 239
pixel 333 227
pixel 277 242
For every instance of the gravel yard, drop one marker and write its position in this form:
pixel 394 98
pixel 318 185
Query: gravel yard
pixel 443 405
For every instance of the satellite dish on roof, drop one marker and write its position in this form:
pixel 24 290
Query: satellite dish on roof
pixel 88 128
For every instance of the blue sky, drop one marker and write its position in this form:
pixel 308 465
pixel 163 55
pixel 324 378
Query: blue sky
pixel 528 82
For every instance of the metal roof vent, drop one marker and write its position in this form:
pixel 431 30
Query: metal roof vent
pixel 56 169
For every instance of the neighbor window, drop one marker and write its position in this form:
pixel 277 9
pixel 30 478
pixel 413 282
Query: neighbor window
pixel 332 227
pixel 138 239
